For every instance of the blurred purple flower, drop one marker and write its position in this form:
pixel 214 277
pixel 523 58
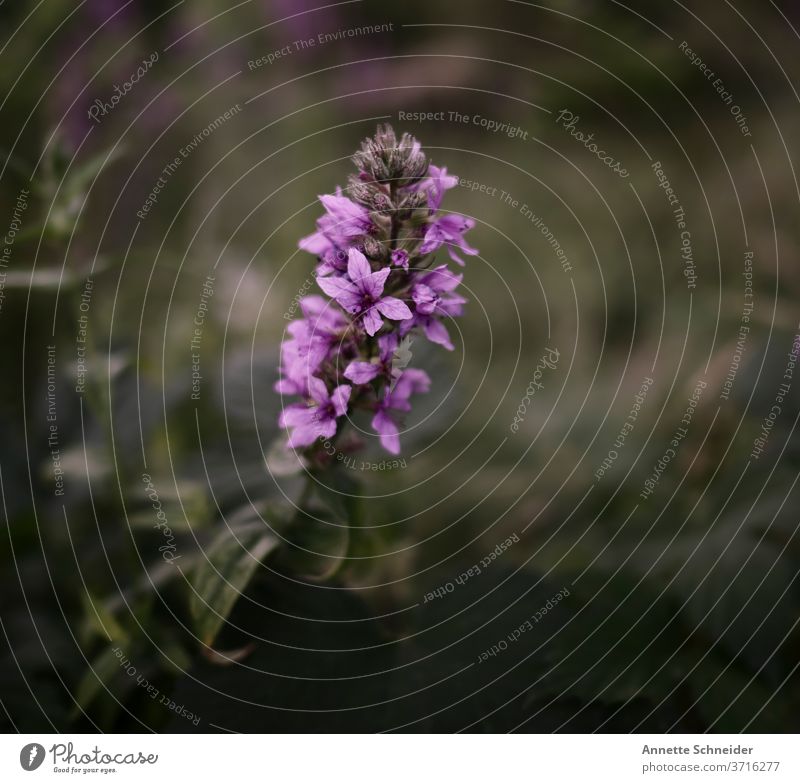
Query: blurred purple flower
pixel 449 230
pixel 344 220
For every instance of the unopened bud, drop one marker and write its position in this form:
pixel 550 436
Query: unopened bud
pixel 373 249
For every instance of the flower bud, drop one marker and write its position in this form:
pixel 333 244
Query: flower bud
pixel 360 191
pixel 387 160
pixel 373 249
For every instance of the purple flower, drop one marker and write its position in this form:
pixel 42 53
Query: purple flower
pixel 362 295
pixel 449 230
pixel 344 220
pixel 397 399
pixel 434 299
pixel 360 372
pixel 310 342
pixel 317 420
pixel 435 185
pixel 400 258
pixel 333 260
pixel 374 241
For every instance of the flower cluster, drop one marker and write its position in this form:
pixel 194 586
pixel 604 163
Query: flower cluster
pixel 375 248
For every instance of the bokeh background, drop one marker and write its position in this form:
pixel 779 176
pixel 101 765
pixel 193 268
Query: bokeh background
pixel 673 611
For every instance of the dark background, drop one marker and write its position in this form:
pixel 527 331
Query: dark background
pixel 682 609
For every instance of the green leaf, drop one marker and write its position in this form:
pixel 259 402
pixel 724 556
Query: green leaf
pixel 231 562
pixel 100 620
pixel 97 679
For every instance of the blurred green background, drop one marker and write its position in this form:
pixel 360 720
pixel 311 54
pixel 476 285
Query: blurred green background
pixel 683 607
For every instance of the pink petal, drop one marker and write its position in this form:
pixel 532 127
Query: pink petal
pixel 373 284
pixel 343 291
pixel 412 381
pixel 424 298
pixel 336 286
pixel 394 308
pixel 387 429
pixel 326 429
pixel 297 416
pixel 316 243
pixel 372 321
pixel 340 398
pixel 442 279
pixel 285 386
pixel 361 372
pixel 387 345
pixel 357 265
pixel 302 436
pixel 318 390
pixel 452 253
pixel 435 331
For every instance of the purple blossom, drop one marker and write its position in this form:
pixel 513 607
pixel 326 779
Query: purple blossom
pixel 332 261
pixel 361 372
pixel 434 300
pixel 400 258
pixel 373 249
pixel 309 343
pixel 449 230
pixel 362 295
pixel 435 185
pixel 318 419
pixel 344 220
pixel 411 381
